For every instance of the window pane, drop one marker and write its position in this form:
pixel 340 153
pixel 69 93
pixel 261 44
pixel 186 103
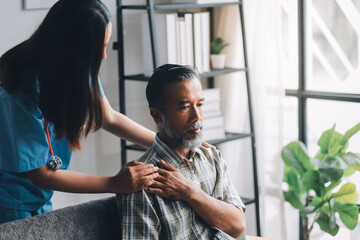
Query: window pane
pixel 322 115
pixel 333 46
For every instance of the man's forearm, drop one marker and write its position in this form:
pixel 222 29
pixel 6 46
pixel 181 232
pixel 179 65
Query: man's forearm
pixel 217 213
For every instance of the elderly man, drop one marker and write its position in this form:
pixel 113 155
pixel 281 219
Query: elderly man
pixel 192 198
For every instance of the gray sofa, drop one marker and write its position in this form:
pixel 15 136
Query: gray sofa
pixel 96 219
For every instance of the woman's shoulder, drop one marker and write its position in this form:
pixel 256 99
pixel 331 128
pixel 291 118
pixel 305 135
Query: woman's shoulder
pixel 27 92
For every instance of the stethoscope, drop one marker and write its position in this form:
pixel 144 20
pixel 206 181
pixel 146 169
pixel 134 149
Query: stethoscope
pixel 55 162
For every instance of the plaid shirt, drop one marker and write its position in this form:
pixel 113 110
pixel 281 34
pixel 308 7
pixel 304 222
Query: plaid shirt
pixel 149 216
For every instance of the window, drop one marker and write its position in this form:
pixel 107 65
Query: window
pixel 328 88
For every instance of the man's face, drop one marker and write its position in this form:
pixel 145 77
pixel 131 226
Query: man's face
pixel 184 113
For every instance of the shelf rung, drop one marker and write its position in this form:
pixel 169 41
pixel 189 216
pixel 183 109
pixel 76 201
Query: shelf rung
pixel 346 97
pixel 134 7
pixel 175 6
pixel 213 73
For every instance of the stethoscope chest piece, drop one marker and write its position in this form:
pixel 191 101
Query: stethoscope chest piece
pixel 54 163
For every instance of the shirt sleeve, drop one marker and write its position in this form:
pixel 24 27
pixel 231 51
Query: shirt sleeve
pixel 23 144
pixel 224 189
pixel 139 219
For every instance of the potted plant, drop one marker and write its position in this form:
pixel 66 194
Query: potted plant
pixel 217 58
pixel 317 186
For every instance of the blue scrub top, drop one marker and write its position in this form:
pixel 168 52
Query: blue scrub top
pixel 24 147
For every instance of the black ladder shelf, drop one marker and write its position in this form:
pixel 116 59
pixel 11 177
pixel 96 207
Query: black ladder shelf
pixel 150 7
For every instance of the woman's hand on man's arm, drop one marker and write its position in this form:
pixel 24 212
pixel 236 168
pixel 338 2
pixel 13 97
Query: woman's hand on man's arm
pixel 134 176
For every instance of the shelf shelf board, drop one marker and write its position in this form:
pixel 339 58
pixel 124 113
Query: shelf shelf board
pixel 176 6
pixel 228 137
pixel 218 72
pixel 247 201
pixel 137 77
pixel 213 73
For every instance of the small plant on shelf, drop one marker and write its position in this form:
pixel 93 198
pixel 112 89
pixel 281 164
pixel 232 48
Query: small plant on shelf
pixel 218 45
pixel 217 58
pixel 318 187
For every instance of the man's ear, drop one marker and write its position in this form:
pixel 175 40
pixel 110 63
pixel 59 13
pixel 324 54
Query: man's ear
pixel 156 115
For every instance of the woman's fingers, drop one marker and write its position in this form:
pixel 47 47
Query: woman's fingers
pixel 145 169
pixel 146 181
pixel 139 169
pixel 205 144
pixel 167 165
pixel 133 163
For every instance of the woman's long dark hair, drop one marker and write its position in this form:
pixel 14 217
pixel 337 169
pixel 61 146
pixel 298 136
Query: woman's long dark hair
pixel 64 51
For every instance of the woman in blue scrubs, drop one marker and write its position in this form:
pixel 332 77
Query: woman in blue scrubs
pixel 50 99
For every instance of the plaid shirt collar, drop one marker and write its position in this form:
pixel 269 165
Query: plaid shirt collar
pixel 169 155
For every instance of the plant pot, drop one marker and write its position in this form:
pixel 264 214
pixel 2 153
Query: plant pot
pixel 218 61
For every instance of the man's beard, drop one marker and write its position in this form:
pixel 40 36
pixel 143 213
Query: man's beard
pixel 182 140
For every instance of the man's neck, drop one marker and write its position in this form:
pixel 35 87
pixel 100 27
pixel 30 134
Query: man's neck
pixel 181 150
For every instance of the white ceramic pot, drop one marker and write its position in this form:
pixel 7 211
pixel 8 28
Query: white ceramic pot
pixel 218 61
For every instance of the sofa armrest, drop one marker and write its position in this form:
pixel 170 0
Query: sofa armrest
pixel 96 219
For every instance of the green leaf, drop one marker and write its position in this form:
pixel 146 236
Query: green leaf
pixel 311 180
pixel 326 139
pixel 315 201
pixel 349 133
pixel 329 162
pixel 332 186
pixel 217 45
pixel 324 222
pixel 328 169
pixel 294 156
pixel 330 174
pixel 294 199
pixel 319 155
pixel 351 159
pixel 349 171
pixel 349 214
pixel 332 219
pixel 314 205
pixel 293 181
pixel 335 148
pixel 346 194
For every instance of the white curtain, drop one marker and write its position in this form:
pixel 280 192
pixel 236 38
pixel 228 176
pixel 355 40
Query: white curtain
pixel 264 43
